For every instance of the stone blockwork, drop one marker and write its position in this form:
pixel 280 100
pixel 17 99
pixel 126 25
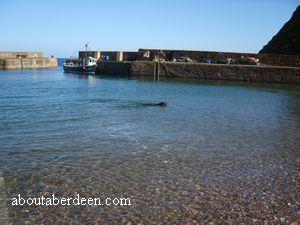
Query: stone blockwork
pixel 84 54
pixel 130 56
pixel 200 56
pixel 113 68
pixel 2 64
pixel 201 71
pixel 11 55
pixel 11 64
pixel 25 60
pixel 231 72
pixel 127 56
pixel 28 63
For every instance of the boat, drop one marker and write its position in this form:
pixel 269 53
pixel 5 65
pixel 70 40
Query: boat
pixel 83 65
pixel 88 65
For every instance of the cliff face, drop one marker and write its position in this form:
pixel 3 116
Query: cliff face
pixel 287 40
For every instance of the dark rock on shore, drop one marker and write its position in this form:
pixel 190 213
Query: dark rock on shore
pixel 287 40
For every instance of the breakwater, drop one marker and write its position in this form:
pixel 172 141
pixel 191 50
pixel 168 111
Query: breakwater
pixel 198 56
pixel 25 60
pixel 247 73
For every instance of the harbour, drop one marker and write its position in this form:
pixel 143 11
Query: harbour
pixel 149 112
pixel 279 68
pixel 242 73
pixel 219 149
pixel 271 68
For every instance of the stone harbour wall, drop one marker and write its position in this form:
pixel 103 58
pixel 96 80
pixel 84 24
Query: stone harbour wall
pixel 8 55
pixel 113 68
pixel 25 60
pixel 2 64
pixel 200 56
pixel 27 63
pixel 127 55
pixel 246 73
pixel 231 72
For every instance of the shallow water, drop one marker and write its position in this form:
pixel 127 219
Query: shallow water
pixel 219 151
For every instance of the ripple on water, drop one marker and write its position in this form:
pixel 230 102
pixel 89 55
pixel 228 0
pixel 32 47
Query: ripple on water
pixel 214 154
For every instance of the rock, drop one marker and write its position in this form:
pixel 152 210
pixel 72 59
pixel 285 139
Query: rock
pixel 287 40
pixel 1 181
pixel 96 222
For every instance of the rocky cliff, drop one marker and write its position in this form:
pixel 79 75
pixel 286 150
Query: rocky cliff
pixel 287 40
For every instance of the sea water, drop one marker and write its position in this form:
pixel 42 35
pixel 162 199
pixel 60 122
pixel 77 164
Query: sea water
pixel 218 151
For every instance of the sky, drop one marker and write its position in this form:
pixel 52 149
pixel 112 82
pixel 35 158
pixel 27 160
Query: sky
pixel 62 27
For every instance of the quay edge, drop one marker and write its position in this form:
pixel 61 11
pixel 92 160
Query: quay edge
pixel 25 60
pixel 247 73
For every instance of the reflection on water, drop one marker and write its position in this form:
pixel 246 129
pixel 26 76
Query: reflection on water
pixel 219 151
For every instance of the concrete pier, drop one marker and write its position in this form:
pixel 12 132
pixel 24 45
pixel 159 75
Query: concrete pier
pixel 25 60
pixel 275 74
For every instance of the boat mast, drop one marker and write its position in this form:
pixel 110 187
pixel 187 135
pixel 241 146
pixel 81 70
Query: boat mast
pixel 86 50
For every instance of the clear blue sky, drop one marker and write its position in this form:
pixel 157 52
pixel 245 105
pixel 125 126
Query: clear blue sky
pixel 62 27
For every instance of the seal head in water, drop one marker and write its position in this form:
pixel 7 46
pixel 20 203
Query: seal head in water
pixel 162 104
